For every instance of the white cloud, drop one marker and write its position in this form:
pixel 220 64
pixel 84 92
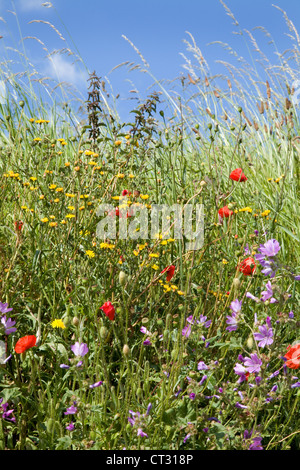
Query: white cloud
pixel 29 5
pixel 63 70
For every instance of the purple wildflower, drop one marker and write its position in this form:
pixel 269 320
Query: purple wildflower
pixel 265 337
pixel 186 438
pixel 232 321
pixel 267 294
pixel 203 380
pixel 7 414
pixel 251 296
pixel 97 384
pixel 79 349
pixel 236 306
pixel 203 319
pixel 202 366
pixel 70 426
pixel 270 248
pixel 256 445
pixel 253 363
pixel 238 405
pixel 8 325
pixel 4 308
pixel 186 331
pixel 72 410
pixel 141 433
pixel 296 384
pixel 147 342
pixel 241 371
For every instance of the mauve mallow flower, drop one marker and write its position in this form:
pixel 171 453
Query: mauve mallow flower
pixel 4 308
pixel 265 335
pixel 253 363
pixel 268 293
pixel 79 349
pixel 8 325
pixel 270 248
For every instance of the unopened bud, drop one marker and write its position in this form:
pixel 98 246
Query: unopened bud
pixel 122 278
pixel 103 332
pixel 236 283
pixel 126 350
pixel 250 342
pixel 75 321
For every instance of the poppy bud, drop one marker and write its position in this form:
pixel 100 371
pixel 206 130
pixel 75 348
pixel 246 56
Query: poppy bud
pixel 126 350
pixel 250 342
pixel 75 321
pixel 103 332
pixel 122 278
pixel 236 283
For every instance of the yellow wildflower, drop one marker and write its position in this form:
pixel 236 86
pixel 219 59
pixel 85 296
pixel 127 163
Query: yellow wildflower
pixel 58 323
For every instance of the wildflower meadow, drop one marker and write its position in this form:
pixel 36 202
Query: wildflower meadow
pixel 145 341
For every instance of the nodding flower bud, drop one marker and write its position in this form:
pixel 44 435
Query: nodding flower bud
pixel 103 332
pixel 250 342
pixel 236 283
pixel 126 350
pixel 75 321
pixel 122 278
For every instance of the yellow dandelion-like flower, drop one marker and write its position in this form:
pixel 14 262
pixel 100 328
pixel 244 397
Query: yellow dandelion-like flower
pixel 90 253
pixel 26 184
pixel 179 292
pixel 67 164
pixel 52 217
pixel 45 220
pixel 107 245
pixel 53 224
pixel 31 120
pixel 42 196
pixel 71 208
pixel 265 213
pixel 37 139
pixel 144 196
pixel 59 190
pixel 155 267
pixel 154 255
pixel 120 175
pixel 224 261
pixel 33 178
pixel 118 142
pixel 70 216
pixel 56 200
pixel 70 195
pixel 52 186
pixel 58 323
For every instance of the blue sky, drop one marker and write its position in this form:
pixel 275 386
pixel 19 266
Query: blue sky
pixel 94 29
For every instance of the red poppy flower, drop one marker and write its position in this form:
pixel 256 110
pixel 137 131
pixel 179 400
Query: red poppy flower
pixel 120 213
pixel 109 310
pixel 224 212
pixel 170 270
pixel 248 266
pixel 293 357
pixel 125 192
pixel 18 225
pixel 238 175
pixel 25 343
